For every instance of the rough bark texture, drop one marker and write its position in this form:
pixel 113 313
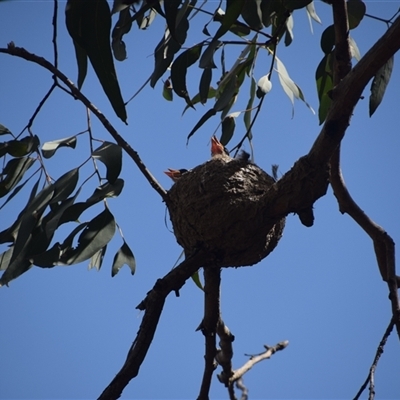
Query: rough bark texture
pixel 220 206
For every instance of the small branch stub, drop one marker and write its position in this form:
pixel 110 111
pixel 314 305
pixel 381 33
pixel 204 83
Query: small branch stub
pixel 220 206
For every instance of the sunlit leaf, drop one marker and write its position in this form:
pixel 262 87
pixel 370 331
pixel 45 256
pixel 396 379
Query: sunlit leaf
pixel 96 260
pixel 289 30
pixel 355 52
pixel 49 148
pixel 197 281
pixel 110 155
pixel 311 14
pixel 379 85
pixel 5 258
pixel 123 256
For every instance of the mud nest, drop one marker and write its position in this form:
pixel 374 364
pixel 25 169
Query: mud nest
pixel 220 206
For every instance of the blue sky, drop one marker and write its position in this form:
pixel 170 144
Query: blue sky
pixel 66 331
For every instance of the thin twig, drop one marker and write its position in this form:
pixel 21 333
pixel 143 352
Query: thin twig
pixel 22 53
pixel 379 352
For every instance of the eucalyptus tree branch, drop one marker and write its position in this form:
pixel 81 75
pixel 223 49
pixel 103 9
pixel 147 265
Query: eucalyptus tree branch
pixel 212 315
pixel 152 305
pixel 383 243
pixel 26 55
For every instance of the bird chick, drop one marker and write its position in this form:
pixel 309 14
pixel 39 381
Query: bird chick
pixel 175 174
pixel 218 150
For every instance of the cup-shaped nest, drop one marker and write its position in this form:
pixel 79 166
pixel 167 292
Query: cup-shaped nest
pixel 221 207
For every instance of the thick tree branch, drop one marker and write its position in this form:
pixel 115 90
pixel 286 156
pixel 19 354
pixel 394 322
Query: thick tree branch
pixel 22 53
pixel 152 305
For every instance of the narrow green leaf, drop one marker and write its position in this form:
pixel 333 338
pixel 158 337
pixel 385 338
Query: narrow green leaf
pixel 65 185
pixel 4 130
pixel 123 256
pixel 82 61
pixel 110 155
pixel 89 25
pixel 233 11
pixel 168 46
pixel 13 172
pixel 16 191
pixel 106 190
pixel 252 15
pixel 207 59
pixel 201 121
pixel 197 281
pixel 21 147
pixel 179 70
pixel 323 77
pixel 98 232
pixel 171 13
pixel 249 106
pixel 196 99
pixel 204 86
pixel 227 94
pixel 96 260
pixel 228 128
pixel 5 258
pixel 122 27
pixel 49 148
pixel 379 85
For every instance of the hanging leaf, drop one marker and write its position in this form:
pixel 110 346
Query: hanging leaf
pixel 168 46
pixel 89 25
pixel 207 59
pixel 49 148
pixel 110 155
pixel 233 10
pixel 355 11
pixel 311 14
pixel 122 27
pixel 171 13
pixel 96 260
pixel 204 86
pixel 106 190
pixel 13 172
pixel 289 86
pixel 228 128
pixel 227 94
pixel 289 30
pixel 379 85
pixel 179 70
pixel 210 113
pixel 21 147
pixel 98 232
pixel 249 106
pixel 196 99
pixel 65 185
pixel 197 281
pixel 355 52
pixel 5 258
pixel 123 256
pixel 252 15
pixel 4 130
